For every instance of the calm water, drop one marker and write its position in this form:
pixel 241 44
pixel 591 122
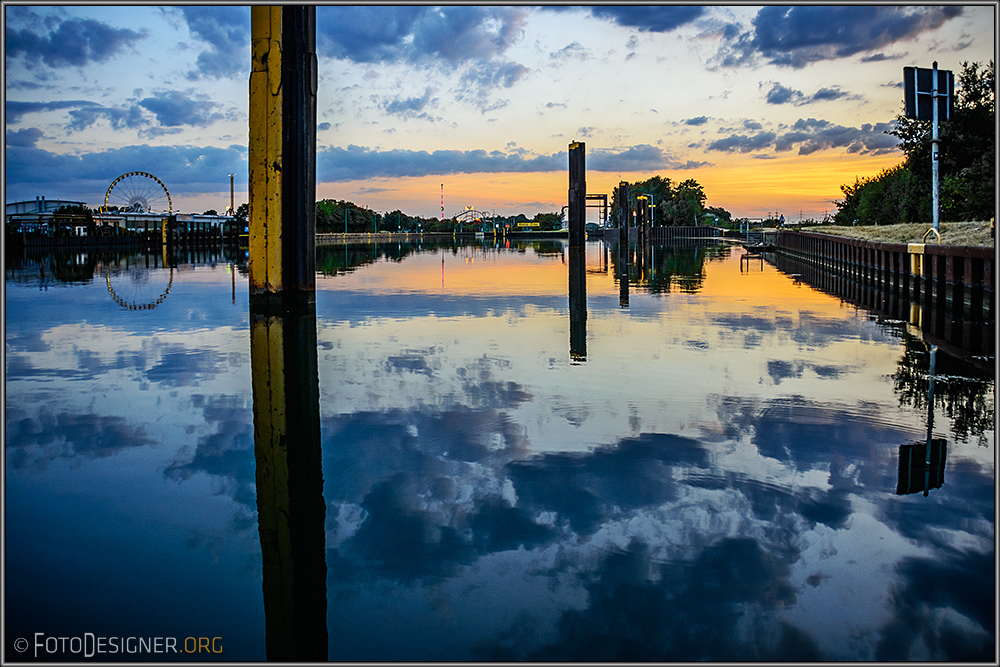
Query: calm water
pixel 710 460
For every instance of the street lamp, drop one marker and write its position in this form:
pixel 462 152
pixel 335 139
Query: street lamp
pixel 652 207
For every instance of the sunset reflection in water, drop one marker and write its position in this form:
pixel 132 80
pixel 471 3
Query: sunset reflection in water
pixel 715 479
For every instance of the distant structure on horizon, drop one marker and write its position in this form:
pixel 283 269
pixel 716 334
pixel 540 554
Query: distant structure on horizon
pixel 39 205
pixel 38 216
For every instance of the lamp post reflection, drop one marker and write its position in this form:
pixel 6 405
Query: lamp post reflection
pixel 623 271
pixel 921 466
pixel 290 508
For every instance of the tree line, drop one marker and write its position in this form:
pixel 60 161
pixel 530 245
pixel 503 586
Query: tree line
pixel 966 164
pixel 338 216
pixel 673 205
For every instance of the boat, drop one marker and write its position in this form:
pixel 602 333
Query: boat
pixel 754 248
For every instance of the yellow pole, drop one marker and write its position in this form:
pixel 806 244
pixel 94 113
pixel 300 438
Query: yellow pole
pixel 266 139
pixel 282 170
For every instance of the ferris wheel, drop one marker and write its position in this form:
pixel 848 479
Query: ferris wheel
pixel 138 192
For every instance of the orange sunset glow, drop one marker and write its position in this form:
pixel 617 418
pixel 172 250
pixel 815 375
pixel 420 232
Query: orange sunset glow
pixel 486 101
pixel 472 272
pixel 743 185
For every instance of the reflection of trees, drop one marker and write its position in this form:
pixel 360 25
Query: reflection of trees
pixel 332 260
pixel 62 268
pixel 549 247
pixel 669 268
pixel 961 390
pixel 80 267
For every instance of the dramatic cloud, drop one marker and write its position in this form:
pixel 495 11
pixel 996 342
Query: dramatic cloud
pixel 384 34
pixel 25 138
pixel 799 35
pixel 227 453
pixel 742 143
pixel 38 441
pixel 693 617
pixel 495 74
pixel 584 489
pixel 365 34
pixel 70 43
pixel 650 18
pixel 175 108
pixel 15 111
pixel 127 116
pixel 929 588
pixel 187 168
pixel 783 95
pixel 412 107
pixel 226 31
pixel 636 158
pixel 470 40
pixel 171 109
pixel 457 34
pixel 812 135
pixel 357 162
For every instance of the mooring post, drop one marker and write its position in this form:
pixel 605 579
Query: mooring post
pixel 283 156
pixel 623 209
pixel 577 194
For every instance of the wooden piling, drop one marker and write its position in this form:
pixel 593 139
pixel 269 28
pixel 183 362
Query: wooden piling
pixel 623 209
pixel 577 194
pixel 282 151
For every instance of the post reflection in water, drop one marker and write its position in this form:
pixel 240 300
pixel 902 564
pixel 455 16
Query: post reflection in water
pixel 623 262
pixel 290 507
pixel 578 303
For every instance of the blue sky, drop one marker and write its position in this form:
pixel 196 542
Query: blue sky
pixel 770 108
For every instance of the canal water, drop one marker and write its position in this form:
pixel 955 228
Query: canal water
pixel 699 457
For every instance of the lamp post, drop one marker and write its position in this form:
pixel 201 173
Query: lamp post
pixel 652 207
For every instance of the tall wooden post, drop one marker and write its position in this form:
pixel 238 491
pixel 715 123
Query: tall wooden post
pixel 290 505
pixel 283 156
pixel 577 194
pixel 623 209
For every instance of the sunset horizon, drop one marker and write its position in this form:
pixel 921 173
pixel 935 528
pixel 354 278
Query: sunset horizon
pixel 770 109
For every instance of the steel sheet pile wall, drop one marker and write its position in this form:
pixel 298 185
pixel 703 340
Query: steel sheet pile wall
pixel 947 291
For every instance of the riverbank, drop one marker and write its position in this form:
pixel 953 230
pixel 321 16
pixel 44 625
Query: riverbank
pixel 952 233
pixel 388 237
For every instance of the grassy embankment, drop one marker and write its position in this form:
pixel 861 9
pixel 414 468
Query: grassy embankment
pixel 952 233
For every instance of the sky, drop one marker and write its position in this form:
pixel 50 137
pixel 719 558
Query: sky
pixel 771 109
